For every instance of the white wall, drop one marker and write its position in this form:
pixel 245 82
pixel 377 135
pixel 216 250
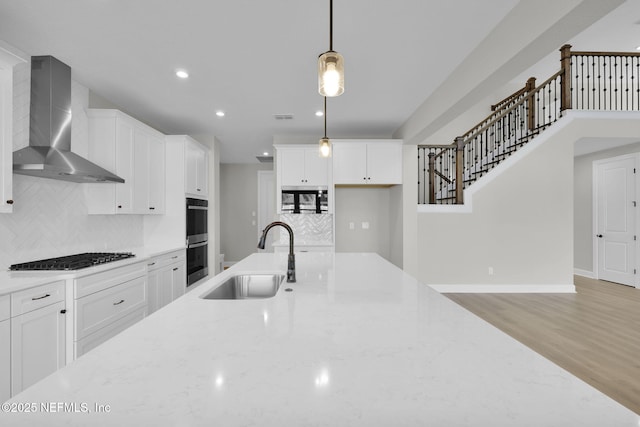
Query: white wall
pixel 521 222
pixel 50 217
pixel 583 202
pixel 357 205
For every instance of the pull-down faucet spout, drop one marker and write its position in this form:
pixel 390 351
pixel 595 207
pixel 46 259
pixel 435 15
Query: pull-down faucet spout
pixel 291 262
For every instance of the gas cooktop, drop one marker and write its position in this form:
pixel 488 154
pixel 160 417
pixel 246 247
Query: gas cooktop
pixel 72 262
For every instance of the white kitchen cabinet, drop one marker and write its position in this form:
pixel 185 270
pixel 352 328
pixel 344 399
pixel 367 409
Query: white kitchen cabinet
pixel 166 279
pixel 134 152
pixel 38 334
pixel 7 63
pixel 178 279
pixel 302 166
pixel 196 169
pixel 106 303
pixel 157 174
pixel 358 162
pixel 148 172
pixel 5 348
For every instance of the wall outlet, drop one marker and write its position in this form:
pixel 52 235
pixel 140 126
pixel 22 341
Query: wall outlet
pixel 490 271
pixel 365 225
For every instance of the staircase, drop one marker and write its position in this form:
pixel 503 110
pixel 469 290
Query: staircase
pixel 605 81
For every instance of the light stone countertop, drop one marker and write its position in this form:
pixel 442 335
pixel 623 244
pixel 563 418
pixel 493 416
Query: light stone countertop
pixel 358 342
pixel 13 281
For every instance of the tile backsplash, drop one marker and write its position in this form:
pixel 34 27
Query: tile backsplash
pixel 308 228
pixel 50 217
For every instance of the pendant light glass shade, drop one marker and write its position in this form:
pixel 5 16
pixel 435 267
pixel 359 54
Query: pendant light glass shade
pixel 330 74
pixel 325 147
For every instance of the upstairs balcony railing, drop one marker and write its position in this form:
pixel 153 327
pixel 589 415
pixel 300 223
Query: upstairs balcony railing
pixel 586 81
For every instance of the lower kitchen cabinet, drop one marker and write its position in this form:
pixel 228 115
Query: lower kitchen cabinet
pixel 92 341
pixel 38 334
pixel 107 303
pixel 166 279
pixel 5 348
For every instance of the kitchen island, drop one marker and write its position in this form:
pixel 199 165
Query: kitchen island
pixel 355 342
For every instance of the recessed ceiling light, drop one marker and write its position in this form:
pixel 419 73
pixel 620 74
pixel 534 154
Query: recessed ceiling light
pixel 182 74
pixel 220 113
pixel 266 153
pixel 638 48
pixel 319 113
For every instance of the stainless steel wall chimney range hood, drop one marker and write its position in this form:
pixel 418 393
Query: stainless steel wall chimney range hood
pixel 49 152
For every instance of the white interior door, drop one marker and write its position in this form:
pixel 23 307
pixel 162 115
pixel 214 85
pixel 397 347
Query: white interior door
pixel 615 220
pixel 266 206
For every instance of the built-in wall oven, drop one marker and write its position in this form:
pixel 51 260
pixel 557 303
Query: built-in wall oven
pixel 197 240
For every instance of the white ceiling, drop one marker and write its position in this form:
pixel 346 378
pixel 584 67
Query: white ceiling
pixel 253 59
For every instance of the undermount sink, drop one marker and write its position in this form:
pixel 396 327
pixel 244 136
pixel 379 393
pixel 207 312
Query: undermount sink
pixel 247 286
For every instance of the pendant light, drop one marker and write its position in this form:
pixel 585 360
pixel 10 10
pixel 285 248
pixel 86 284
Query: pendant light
pixel 330 66
pixel 325 144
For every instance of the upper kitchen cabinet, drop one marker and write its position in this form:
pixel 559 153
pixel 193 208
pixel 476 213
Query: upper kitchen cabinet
pixel 7 63
pixel 301 166
pixel 196 169
pixel 371 162
pixel 134 152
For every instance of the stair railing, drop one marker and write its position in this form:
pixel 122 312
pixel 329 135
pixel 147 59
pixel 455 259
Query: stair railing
pixel 586 80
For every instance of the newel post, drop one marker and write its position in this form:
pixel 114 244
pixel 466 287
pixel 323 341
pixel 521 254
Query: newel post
pixel 531 103
pixel 459 169
pixel 565 85
pixel 432 178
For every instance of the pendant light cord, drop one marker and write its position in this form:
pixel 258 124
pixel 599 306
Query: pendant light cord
pixel 330 25
pixel 325 117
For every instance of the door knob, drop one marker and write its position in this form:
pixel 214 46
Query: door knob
pixel 599 235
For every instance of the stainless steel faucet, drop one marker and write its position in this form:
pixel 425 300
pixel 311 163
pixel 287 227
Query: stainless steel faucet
pixel 291 262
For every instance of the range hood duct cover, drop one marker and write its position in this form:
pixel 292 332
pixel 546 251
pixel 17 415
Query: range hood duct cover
pixel 49 152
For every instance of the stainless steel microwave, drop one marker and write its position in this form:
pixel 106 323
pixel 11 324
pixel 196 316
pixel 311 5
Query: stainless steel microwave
pixel 304 201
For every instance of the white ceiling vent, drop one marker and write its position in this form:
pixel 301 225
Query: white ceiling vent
pixel 283 116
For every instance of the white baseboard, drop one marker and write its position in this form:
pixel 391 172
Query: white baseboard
pixel 504 289
pixel 584 273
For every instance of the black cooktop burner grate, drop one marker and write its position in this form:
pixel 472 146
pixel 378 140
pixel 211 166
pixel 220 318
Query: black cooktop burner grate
pixel 73 262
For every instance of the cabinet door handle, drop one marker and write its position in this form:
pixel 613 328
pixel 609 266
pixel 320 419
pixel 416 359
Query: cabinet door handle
pixel 197 189
pixel 119 302
pixel 63 311
pixel 175 269
pixel 9 202
pixel 151 208
pixel 174 257
pixel 42 297
pixel 149 265
pixel 119 206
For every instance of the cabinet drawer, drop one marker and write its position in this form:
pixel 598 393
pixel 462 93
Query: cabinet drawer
pixel 5 307
pixel 166 259
pixel 100 309
pixel 97 282
pixel 92 341
pixel 38 297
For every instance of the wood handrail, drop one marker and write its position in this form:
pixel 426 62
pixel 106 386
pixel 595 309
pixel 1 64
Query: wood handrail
pixel 441 175
pixel 509 98
pixel 513 107
pixel 530 102
pixel 594 53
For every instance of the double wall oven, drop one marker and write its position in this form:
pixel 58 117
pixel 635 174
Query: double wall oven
pixel 197 240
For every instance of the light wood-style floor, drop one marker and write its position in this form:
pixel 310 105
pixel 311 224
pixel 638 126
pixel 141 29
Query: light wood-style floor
pixel 594 333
